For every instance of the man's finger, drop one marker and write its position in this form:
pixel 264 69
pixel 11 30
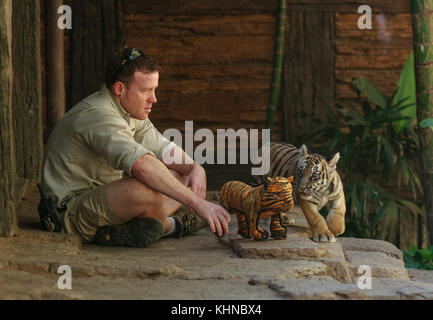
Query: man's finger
pixel 224 225
pixel 225 214
pixel 218 227
pixel 211 224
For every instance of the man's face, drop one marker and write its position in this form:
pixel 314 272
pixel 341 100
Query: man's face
pixel 140 94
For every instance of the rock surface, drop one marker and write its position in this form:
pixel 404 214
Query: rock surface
pixel 202 266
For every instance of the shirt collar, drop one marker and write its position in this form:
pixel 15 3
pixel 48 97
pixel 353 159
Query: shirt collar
pixel 105 93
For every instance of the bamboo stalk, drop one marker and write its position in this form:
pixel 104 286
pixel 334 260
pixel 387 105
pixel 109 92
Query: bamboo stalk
pixel 422 23
pixel 278 65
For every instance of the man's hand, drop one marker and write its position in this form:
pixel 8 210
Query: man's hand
pixel 154 174
pixel 197 181
pixel 215 215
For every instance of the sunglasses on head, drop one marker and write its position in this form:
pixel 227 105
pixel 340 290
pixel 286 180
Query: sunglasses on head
pixel 132 55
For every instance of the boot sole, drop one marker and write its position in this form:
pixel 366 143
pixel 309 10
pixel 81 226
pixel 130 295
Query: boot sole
pixel 136 233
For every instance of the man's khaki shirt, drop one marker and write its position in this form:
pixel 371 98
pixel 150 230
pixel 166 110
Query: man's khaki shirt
pixel 95 143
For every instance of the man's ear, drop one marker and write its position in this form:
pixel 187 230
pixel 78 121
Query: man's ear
pixel 117 88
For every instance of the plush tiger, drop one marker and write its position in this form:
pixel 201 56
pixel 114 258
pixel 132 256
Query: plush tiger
pixel 316 184
pixel 249 204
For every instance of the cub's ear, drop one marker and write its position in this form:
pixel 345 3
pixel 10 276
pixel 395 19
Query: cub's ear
pixel 269 179
pixel 303 150
pixel 333 162
pixel 290 179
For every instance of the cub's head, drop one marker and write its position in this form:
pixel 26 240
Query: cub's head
pixel 314 172
pixel 278 193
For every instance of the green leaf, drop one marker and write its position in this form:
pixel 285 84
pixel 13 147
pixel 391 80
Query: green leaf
pixel 371 91
pixel 427 123
pixel 411 206
pixel 406 90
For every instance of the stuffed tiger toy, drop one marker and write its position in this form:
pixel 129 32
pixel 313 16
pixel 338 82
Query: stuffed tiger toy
pixel 316 184
pixel 249 204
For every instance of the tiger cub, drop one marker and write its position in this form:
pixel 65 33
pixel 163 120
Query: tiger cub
pixel 316 184
pixel 249 204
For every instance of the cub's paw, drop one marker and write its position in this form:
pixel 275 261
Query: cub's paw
pixel 323 237
pixel 336 223
pixel 260 234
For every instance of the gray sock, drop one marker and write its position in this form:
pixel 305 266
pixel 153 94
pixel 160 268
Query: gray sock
pixel 172 230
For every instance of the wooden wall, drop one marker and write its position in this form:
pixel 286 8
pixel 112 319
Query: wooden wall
pixel 216 58
pixel 326 50
pixel 377 54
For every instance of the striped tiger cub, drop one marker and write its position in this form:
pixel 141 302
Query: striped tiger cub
pixel 316 184
pixel 249 204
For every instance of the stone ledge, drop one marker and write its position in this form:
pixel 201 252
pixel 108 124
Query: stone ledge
pixel 368 245
pixel 330 254
pixel 420 275
pixel 258 270
pixel 294 248
pixel 382 265
pixel 87 269
pixel 398 289
pixel 319 288
pixel 327 288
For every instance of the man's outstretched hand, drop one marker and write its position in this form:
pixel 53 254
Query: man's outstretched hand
pixel 215 215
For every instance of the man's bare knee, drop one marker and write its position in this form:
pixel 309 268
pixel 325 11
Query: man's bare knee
pixel 129 198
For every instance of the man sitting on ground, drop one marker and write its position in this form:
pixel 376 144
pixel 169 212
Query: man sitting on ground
pixel 112 178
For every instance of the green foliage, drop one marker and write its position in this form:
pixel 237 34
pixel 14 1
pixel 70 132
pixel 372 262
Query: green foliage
pixel 418 258
pixel 407 90
pixel 427 123
pixel 376 142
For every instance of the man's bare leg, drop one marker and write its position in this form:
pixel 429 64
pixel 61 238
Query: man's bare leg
pixel 130 199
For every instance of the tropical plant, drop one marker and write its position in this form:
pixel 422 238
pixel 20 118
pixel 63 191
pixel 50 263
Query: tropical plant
pixel 422 16
pixel 376 142
pixel 418 258
pixel 427 123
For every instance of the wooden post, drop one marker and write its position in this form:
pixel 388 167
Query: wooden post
pixel 91 47
pixel 422 22
pixel 8 220
pixel 308 78
pixel 27 88
pixel 54 65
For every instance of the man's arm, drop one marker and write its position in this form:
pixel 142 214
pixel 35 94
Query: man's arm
pixel 154 174
pixel 176 159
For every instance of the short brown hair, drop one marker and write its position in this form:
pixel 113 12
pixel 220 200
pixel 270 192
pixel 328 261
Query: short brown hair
pixel 125 62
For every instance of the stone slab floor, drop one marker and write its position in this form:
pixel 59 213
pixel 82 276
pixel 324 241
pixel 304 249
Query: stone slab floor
pixel 202 267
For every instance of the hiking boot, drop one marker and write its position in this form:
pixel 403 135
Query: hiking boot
pixel 135 233
pixel 187 222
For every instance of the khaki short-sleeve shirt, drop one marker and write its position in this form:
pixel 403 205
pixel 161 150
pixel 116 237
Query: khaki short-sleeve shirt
pixel 95 143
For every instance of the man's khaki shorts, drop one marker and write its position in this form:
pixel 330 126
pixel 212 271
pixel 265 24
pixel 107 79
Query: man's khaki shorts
pixel 87 212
